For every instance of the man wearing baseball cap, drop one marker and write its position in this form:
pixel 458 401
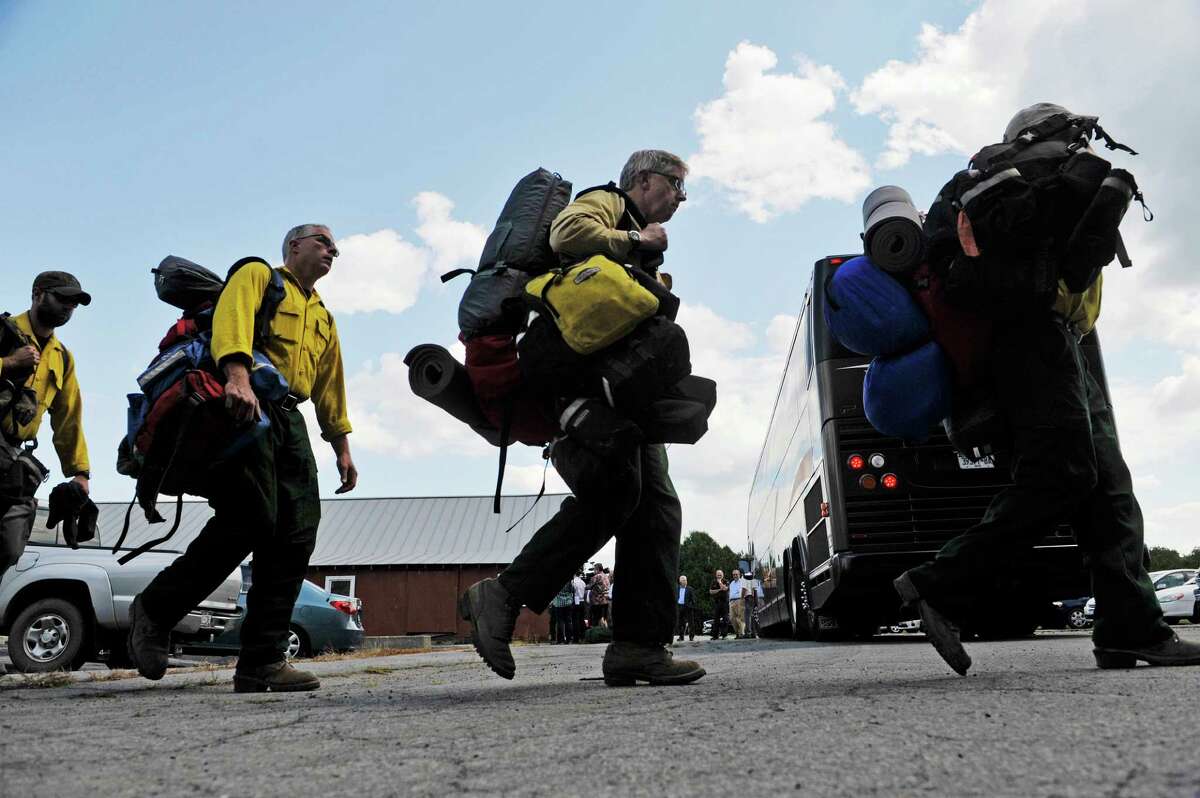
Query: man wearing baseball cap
pixel 37 376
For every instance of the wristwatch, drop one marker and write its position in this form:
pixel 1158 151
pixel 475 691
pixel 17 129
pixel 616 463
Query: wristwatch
pixel 635 237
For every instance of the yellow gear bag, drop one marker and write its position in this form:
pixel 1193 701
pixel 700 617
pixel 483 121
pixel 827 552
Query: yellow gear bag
pixel 595 302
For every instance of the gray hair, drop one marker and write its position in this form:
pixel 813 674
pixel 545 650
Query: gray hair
pixel 300 231
pixel 649 161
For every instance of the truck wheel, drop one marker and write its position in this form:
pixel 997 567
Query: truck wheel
pixel 48 635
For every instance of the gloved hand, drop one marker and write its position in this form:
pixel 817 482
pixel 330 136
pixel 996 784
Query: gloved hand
pixel 66 500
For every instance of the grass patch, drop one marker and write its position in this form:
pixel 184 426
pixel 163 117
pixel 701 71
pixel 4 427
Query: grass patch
pixel 112 676
pixel 40 680
pixel 377 669
pixel 363 653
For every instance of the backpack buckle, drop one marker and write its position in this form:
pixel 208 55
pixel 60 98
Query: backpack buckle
pixel 289 402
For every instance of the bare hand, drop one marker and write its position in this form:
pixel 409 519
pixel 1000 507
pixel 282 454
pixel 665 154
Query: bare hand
pixel 347 471
pixel 27 357
pixel 83 483
pixel 966 236
pixel 654 237
pixel 240 400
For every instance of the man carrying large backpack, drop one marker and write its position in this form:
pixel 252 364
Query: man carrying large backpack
pixel 266 502
pixel 37 376
pixel 633 499
pixel 1067 465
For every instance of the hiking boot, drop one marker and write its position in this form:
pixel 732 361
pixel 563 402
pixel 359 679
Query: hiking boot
pixel 626 663
pixel 148 642
pixel 486 606
pixel 1171 651
pixel 278 677
pixel 937 627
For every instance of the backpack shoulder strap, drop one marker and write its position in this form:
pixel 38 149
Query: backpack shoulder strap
pixel 272 295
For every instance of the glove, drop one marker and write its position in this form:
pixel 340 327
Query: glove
pixel 66 500
pixel 88 515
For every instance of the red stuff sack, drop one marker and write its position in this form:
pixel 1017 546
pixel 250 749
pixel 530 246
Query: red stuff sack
pixel 492 367
pixel 965 337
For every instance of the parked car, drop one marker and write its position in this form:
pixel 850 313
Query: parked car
pixel 62 607
pixel 321 621
pixel 1177 592
pixel 1067 614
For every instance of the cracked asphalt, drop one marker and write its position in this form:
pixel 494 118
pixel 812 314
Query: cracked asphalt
pixel 1034 718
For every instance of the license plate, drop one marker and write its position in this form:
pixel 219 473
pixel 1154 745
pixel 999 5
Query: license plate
pixel 987 461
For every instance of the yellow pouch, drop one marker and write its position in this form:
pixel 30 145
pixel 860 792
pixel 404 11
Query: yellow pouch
pixel 595 303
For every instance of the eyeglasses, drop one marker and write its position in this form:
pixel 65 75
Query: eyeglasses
pixel 323 240
pixel 675 181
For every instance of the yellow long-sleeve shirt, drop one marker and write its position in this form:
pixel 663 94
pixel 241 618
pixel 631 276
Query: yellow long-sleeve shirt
pixel 57 391
pixel 589 226
pixel 303 341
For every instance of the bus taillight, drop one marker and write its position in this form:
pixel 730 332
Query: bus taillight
pixel 856 462
pixel 891 481
pixel 867 482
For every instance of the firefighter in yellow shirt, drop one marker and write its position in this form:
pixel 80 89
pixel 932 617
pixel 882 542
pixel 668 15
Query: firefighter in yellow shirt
pixel 37 375
pixel 267 504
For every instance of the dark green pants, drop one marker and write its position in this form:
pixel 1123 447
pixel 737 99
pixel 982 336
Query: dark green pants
pixel 266 504
pixel 631 498
pixel 1067 465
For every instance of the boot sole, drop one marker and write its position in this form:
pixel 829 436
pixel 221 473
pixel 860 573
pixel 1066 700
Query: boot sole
pixel 465 612
pixel 629 680
pixel 944 641
pixel 1122 659
pixel 248 684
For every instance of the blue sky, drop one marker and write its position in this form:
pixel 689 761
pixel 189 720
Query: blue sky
pixel 136 130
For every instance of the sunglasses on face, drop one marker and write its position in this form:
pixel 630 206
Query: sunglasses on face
pixel 675 181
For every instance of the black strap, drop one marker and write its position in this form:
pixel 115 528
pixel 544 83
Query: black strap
pixel 450 275
pixel 1110 142
pixel 1122 253
pixel 505 430
pixel 145 547
pixel 541 492
pixel 125 528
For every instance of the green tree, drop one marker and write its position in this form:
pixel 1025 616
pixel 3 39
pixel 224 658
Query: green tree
pixel 1192 560
pixel 1163 559
pixel 699 557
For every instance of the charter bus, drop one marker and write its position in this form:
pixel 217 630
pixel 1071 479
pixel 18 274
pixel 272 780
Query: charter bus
pixel 837 510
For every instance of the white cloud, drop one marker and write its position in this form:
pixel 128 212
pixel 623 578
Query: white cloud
pixel 1175 526
pixel 383 271
pixel 765 139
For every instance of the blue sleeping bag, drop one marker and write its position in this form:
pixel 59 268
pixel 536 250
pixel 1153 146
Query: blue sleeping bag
pixel 869 312
pixel 906 396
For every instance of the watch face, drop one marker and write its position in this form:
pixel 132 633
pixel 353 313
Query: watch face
pixel 634 235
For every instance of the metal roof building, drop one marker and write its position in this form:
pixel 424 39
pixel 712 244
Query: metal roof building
pixel 408 559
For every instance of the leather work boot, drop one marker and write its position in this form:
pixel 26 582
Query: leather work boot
pixel 148 642
pixel 486 606
pixel 1171 651
pixel 937 627
pixel 278 677
pixel 626 663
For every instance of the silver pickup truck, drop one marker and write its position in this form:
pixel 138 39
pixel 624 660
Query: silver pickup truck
pixel 62 607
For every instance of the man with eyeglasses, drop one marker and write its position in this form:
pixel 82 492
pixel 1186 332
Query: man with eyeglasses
pixel 639 505
pixel 37 376
pixel 266 503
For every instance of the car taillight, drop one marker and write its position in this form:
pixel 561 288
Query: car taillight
pixel 890 481
pixel 347 607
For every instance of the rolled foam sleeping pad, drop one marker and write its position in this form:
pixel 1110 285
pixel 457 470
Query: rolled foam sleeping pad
pixel 906 396
pixel 435 376
pixel 870 313
pixel 892 230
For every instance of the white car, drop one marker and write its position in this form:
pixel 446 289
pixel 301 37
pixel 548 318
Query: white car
pixel 1176 590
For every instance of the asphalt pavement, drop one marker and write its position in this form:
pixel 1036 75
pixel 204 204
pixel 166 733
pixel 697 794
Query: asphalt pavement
pixel 887 717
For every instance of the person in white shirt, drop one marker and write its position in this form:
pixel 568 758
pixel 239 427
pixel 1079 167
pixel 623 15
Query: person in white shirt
pixel 737 608
pixel 580 608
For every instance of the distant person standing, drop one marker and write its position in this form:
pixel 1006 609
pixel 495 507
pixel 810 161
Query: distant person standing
pixel 753 600
pixel 598 598
pixel 685 610
pixel 579 608
pixel 561 615
pixel 719 590
pixel 737 607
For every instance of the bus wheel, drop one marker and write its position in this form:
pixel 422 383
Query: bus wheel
pixel 797 593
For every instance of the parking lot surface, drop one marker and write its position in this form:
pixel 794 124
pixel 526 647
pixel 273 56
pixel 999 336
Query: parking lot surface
pixel 886 717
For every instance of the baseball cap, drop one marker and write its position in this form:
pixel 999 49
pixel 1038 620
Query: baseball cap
pixel 64 284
